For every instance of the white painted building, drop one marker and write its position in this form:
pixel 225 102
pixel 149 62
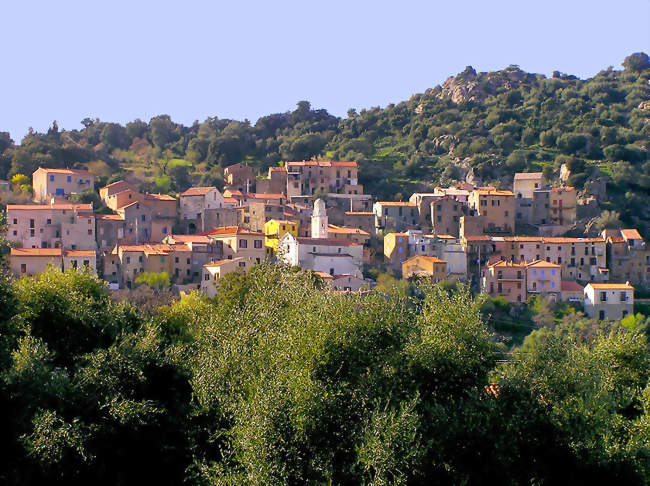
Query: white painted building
pixel 320 253
pixel 608 301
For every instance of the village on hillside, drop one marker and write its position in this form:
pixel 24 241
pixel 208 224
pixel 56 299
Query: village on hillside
pixel 315 215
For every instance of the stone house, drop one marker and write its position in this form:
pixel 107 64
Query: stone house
pixel 608 301
pixel 425 266
pixel 60 183
pixel 396 215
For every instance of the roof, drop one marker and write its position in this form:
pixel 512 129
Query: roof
pixel 80 253
pixel 360 213
pixel 505 263
pixel 58 206
pixel 218 263
pixel 631 234
pixel 65 171
pixel 325 241
pixel 116 186
pixel 397 203
pixel 483 191
pixel 324 275
pixel 256 195
pixel 283 221
pixel 570 286
pixel 33 252
pixel 160 197
pixel 323 163
pixel 542 263
pixel 230 200
pixel 563 188
pixel 617 239
pixel 277 169
pixel 198 191
pixel 431 259
pixel 232 230
pixel 611 286
pixel 111 217
pixel 477 238
pixel 149 249
pixel 523 176
pixel 132 204
pixel 238 165
pixel 346 230
pixel 190 238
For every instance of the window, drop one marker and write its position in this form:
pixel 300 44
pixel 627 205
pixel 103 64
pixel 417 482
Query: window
pixel 162 259
pixel 51 178
pixel 243 243
pixel 331 271
pixel 257 243
pixel 176 260
pixel 207 276
pixel 601 315
pixel 68 179
pixel 242 264
pixel 143 217
pixel 128 260
pixel 140 259
pixel 623 297
pixel 603 296
pixel 23 268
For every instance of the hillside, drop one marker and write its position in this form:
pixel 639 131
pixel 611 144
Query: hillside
pixel 477 126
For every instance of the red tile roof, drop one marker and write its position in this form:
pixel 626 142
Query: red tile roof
pixel 31 252
pixel 66 171
pixel 323 163
pixel 325 241
pixel 397 203
pixel 631 234
pixel 80 253
pixel 160 197
pixel 197 191
pixel 232 230
pixel 190 238
pixel 519 176
pixel 57 206
pixel 571 286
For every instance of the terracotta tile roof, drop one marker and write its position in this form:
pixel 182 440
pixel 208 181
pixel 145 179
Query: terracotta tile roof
pixel 492 192
pixel 117 187
pixel 80 253
pixel 563 188
pixel 397 203
pixel 360 213
pixel 218 263
pixel 344 230
pixel 57 206
pixel 523 176
pixel 160 197
pixel 112 217
pixel 542 263
pixel 431 259
pixel 232 230
pixel 631 234
pixel 477 238
pixel 617 239
pixel 571 286
pixel 66 171
pixel 322 163
pixel 325 242
pixel 255 195
pixel 132 204
pixel 611 286
pixel 32 252
pixel 230 200
pixel 277 169
pixel 505 263
pixel 190 238
pixel 149 249
pixel 198 191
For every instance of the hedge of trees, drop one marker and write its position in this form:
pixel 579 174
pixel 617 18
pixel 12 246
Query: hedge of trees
pixel 511 121
pixel 279 382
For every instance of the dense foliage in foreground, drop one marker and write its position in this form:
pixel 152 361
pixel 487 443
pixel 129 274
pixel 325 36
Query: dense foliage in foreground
pixel 278 382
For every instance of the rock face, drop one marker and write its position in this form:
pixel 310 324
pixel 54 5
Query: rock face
pixel 565 173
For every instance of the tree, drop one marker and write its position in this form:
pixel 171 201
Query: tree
pixel 19 180
pixel 156 281
pixel 637 62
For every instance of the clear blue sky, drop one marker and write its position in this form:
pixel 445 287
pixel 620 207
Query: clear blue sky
pixel 120 60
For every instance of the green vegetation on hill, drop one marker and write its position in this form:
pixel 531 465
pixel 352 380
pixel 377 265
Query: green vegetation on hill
pixel 491 124
pixel 278 382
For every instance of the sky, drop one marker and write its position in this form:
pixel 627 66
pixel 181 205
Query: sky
pixel 121 60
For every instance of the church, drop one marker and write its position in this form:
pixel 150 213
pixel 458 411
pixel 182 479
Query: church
pixel 321 253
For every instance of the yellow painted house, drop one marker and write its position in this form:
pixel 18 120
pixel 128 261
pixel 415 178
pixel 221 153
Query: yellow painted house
pixel 274 229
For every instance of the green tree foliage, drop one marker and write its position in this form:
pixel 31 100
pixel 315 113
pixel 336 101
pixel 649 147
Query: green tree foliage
pixel 156 281
pixel 279 381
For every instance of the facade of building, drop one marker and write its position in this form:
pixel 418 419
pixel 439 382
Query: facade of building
pixel 54 225
pixel 30 261
pixel 496 207
pixel 60 183
pixel 215 271
pixel 425 266
pixel 608 301
pixel 628 255
pixel 396 249
pixel 505 279
pixel 195 201
pixel 274 230
pixel 544 278
pixel 235 241
pixel 240 177
pixel 322 176
pixel 396 215
pixel 445 216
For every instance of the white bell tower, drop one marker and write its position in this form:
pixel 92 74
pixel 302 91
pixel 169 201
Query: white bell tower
pixel 319 220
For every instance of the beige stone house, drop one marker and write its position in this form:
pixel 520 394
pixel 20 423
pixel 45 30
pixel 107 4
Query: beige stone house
pixel 608 301
pixel 60 183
